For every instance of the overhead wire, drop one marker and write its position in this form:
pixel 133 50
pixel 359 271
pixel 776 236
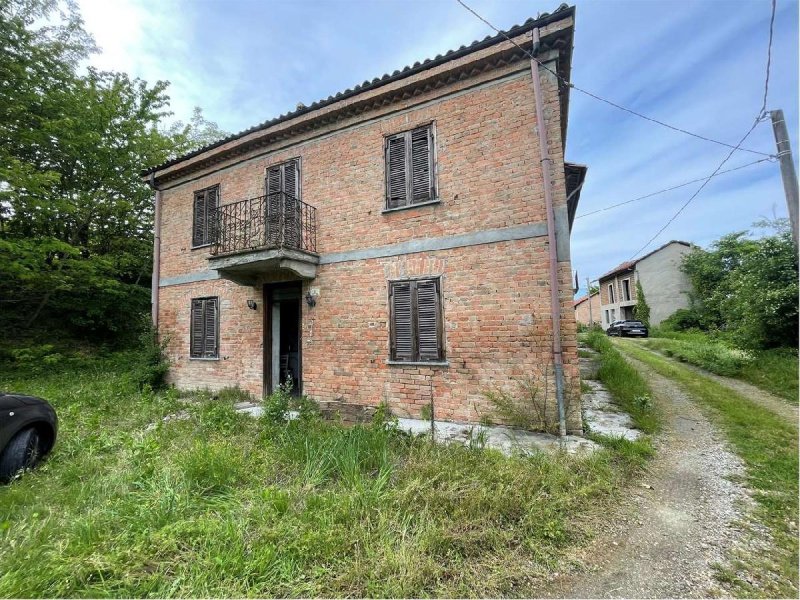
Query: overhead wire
pixel 674 187
pixel 606 100
pixel 762 115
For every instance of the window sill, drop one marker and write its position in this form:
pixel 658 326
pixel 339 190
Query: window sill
pixel 203 359
pixel 409 206
pixel 208 245
pixel 424 363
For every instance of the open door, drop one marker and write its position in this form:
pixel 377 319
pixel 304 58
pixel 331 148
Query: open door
pixel 283 315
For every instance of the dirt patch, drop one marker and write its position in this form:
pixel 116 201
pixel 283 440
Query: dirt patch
pixel 675 526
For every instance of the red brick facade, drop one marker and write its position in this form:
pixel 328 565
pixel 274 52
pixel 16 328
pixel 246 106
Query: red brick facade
pixel 496 306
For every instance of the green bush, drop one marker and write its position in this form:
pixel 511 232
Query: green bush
pixel 712 356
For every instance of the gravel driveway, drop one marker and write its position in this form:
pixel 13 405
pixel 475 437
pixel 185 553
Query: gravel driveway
pixel 676 525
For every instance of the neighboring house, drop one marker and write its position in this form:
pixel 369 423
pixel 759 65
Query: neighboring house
pixel 388 244
pixel 587 309
pixel 666 287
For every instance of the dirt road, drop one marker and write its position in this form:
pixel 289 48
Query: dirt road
pixel 678 524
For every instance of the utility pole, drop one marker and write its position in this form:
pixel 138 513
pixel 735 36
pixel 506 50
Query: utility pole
pixel 788 173
pixel 589 293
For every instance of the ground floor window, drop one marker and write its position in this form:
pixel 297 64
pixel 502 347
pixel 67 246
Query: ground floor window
pixel 204 328
pixel 415 317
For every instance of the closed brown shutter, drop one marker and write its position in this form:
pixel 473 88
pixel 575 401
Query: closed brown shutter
pixel 212 197
pixel 210 333
pixel 421 165
pixel 204 328
pixel 274 202
pixel 402 327
pixel 428 322
pixel 199 221
pixel 409 167
pixel 204 216
pixel 196 325
pixel 396 187
pixel 416 331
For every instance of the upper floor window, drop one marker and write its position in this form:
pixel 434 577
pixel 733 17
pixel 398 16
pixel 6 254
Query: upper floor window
pixel 611 293
pixel 204 328
pixel 205 203
pixel 626 289
pixel 284 177
pixel 410 168
pixel 415 318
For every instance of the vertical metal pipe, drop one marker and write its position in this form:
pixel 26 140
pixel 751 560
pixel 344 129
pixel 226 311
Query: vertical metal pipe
pixel 555 303
pixel 156 252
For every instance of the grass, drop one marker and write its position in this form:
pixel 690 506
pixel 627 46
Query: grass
pixel 626 386
pixel 219 504
pixel 768 445
pixel 775 370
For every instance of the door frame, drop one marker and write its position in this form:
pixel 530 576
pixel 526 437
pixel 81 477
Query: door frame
pixel 266 367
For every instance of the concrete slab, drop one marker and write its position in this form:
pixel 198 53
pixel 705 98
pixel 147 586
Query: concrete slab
pixel 603 416
pixel 506 439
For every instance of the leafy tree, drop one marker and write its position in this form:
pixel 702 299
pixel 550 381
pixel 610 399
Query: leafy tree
pixel 748 287
pixel 641 310
pixel 75 218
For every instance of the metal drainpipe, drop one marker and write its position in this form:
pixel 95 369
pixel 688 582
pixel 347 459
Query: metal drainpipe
pixel 156 251
pixel 555 304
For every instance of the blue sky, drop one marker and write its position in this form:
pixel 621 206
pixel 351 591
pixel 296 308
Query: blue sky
pixel 696 64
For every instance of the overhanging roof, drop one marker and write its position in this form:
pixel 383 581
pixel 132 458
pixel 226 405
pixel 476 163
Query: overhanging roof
pixel 560 40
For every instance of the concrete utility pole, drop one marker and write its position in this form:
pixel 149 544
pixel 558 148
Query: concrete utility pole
pixel 788 173
pixel 589 293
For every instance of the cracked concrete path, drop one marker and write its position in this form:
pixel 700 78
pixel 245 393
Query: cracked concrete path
pixel 665 539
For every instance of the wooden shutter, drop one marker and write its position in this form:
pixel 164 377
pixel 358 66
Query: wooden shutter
pixel 199 220
pixel 428 319
pixel 212 201
pixel 396 192
pixel 196 326
pixel 273 204
pixel 210 332
pixel 204 328
pixel 291 187
pixel 402 327
pixel 421 165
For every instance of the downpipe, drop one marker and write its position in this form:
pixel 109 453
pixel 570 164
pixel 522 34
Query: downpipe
pixel 555 304
pixel 156 252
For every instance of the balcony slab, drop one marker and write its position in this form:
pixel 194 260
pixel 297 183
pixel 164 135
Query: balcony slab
pixel 250 267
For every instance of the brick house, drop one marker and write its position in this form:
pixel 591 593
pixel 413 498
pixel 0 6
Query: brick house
pixel 387 244
pixel 666 288
pixel 587 309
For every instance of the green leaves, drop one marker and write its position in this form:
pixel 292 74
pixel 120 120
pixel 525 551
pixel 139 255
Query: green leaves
pixel 749 287
pixel 75 217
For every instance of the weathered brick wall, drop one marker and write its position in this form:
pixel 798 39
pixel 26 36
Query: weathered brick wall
pixel 583 314
pixel 496 306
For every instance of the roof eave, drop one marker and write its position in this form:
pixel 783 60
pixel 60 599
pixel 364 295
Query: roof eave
pixel 564 67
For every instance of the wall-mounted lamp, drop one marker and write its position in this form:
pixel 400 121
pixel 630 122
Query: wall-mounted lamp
pixel 311 300
pixel 251 304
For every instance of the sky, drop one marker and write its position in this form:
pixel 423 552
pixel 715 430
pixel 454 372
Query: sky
pixel 699 65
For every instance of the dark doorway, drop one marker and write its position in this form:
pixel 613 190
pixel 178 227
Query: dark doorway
pixel 282 340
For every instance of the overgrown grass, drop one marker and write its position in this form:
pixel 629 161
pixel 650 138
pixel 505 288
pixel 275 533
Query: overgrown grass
pixel 774 370
pixel 219 504
pixel 624 383
pixel 768 445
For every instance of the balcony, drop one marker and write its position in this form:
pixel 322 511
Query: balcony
pixel 268 238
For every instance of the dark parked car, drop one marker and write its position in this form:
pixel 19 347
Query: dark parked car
pixel 28 427
pixel 627 328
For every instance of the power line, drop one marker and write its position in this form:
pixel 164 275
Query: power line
pixel 761 116
pixel 769 58
pixel 675 187
pixel 697 193
pixel 605 100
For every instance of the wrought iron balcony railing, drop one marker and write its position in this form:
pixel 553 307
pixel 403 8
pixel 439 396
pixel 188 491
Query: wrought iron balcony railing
pixel 276 220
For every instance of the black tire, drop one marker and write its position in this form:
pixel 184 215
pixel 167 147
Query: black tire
pixel 21 453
